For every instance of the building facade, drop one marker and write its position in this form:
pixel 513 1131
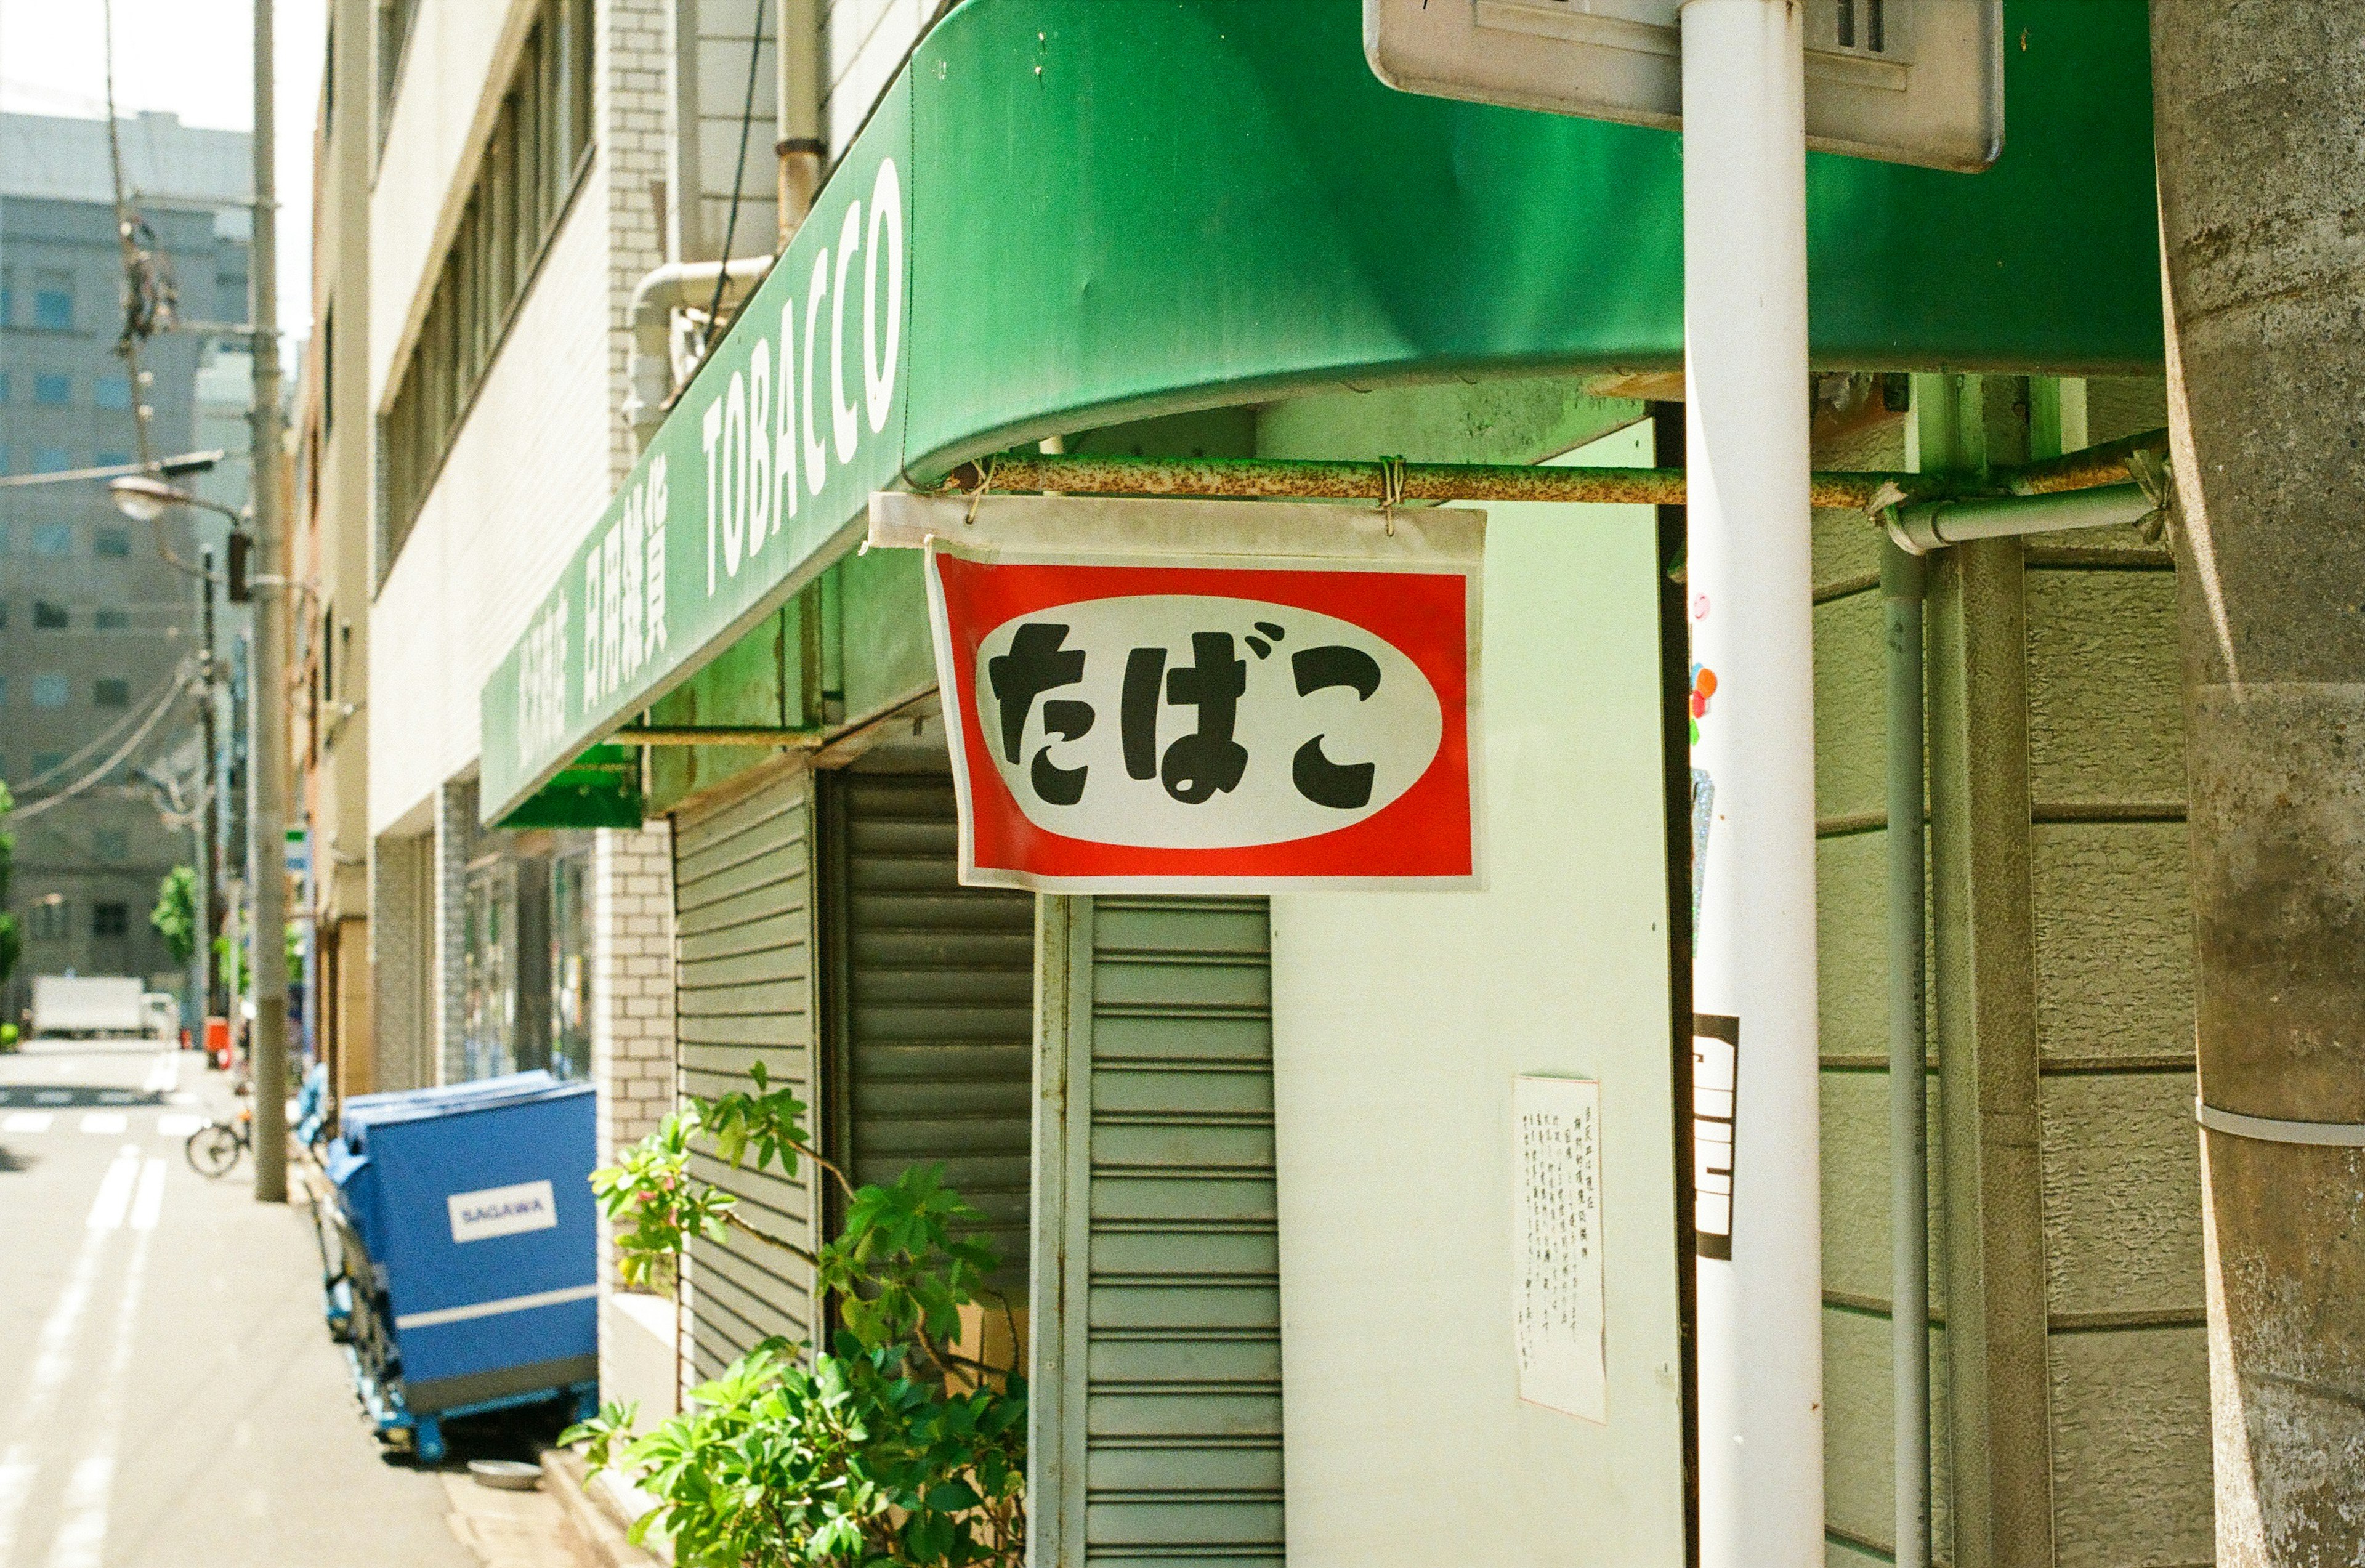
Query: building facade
pixel 1250 1160
pixel 98 646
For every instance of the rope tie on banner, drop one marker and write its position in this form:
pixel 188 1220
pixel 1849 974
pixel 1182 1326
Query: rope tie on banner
pixel 1392 490
pixel 984 482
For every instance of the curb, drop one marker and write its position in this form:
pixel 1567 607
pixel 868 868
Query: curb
pixel 599 1514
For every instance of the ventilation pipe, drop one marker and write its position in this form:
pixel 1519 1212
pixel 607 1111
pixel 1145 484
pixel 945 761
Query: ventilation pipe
pixel 677 286
pixel 801 147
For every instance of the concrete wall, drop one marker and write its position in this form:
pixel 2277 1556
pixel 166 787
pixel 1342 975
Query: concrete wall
pixel 2068 1374
pixel 1400 1023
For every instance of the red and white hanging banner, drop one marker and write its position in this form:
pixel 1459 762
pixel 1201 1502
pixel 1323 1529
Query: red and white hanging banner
pixel 1202 696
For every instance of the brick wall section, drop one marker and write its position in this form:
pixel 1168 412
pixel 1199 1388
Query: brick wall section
pixel 635 116
pixel 456 842
pixel 399 952
pixel 632 988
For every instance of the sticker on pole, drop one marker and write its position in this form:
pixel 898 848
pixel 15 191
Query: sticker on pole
pixel 1203 696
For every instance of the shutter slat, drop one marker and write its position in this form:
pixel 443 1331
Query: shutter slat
pixel 742 879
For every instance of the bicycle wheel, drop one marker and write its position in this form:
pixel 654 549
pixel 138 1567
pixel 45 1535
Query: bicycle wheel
pixel 213 1149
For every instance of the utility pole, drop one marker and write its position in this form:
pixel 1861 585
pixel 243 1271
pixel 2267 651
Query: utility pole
pixel 267 786
pixel 203 900
pixel 2255 120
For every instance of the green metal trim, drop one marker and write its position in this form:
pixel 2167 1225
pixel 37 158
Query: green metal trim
pixel 1116 211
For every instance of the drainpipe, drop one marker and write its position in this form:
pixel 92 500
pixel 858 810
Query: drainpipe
pixel 1914 531
pixel 1909 1115
pixel 673 287
pixel 801 147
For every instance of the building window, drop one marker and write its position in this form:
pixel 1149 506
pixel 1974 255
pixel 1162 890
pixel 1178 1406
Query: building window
pixel 541 142
pixel 3 615
pixel 111 621
pixel 52 460
pixel 5 391
pixel 111 541
pixel 49 690
pixel 53 390
pixel 110 692
pixel 48 762
pixel 48 922
pixel 53 538
pixel 111 392
pixel 49 616
pixel 109 918
pixel 111 844
pixel 54 300
pixel 114 460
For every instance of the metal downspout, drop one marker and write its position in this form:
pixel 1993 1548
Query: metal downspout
pixel 1914 531
pixel 1902 578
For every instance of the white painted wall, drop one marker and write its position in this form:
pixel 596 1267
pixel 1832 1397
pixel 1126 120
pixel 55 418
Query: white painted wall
pixel 525 480
pixel 1399 1022
pixel 865 41
pixel 442 106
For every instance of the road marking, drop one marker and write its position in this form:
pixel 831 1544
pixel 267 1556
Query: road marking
pixel 50 1096
pixel 104 1122
pixel 178 1126
pixel 114 1200
pixel 165 1076
pixel 26 1122
pixel 53 1361
pixel 81 1540
pixel 147 1206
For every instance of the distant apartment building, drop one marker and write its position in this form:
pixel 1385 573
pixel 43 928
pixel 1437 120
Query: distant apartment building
pixel 97 628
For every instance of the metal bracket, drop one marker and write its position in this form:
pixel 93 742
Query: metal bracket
pixel 2267 1129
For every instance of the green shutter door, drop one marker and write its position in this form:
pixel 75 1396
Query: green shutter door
pixel 1157 1435
pixel 935 1058
pixel 743 912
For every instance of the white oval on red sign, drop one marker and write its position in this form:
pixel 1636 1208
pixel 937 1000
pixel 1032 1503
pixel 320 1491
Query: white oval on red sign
pixel 1191 722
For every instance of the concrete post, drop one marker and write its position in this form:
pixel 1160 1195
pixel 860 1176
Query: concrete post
pixel 2255 127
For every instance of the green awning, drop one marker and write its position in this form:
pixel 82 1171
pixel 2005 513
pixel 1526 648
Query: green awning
pixel 1064 216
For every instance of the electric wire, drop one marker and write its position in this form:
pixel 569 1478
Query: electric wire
pixel 74 758
pixel 738 176
pixel 25 812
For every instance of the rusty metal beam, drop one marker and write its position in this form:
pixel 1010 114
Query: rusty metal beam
pixel 714 734
pixel 1304 479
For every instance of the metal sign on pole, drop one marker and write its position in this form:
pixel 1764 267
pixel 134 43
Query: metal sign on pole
pixel 1906 80
pixel 1753 85
pixel 1199 696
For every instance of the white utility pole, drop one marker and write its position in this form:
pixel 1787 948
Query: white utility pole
pixel 267 780
pixel 1751 590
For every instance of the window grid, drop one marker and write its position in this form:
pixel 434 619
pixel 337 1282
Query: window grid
pixel 542 141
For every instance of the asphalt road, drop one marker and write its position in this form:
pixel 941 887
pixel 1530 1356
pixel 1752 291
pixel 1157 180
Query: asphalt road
pixel 168 1394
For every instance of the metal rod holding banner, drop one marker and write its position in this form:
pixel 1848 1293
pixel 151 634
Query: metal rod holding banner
pixel 1751 584
pixel 1353 481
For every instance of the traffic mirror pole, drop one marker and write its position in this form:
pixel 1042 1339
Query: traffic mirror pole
pixel 1750 592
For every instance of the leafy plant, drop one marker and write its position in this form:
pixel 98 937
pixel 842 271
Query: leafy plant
pixel 891 1445
pixel 175 914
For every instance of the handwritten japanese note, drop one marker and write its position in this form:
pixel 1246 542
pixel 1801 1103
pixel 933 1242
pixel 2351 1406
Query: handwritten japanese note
pixel 1564 1361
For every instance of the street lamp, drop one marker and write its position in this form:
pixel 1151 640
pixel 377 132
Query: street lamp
pixel 145 498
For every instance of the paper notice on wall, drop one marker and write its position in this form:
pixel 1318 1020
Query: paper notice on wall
pixel 1564 1361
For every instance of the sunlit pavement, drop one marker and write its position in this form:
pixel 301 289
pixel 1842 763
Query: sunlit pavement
pixel 168 1394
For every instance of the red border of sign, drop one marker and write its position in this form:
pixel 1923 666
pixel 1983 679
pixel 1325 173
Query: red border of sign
pixel 1424 834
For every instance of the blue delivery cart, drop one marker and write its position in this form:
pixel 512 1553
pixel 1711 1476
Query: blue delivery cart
pixel 470 1251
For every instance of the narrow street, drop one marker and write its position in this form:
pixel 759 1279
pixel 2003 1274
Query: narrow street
pixel 170 1396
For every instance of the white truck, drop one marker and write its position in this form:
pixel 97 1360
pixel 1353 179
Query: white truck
pixel 96 1006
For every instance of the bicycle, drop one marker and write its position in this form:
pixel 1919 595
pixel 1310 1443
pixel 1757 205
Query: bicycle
pixel 213 1149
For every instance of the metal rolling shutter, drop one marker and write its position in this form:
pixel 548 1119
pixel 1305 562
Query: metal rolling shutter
pixel 1157 1352
pixel 743 911
pixel 938 1014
